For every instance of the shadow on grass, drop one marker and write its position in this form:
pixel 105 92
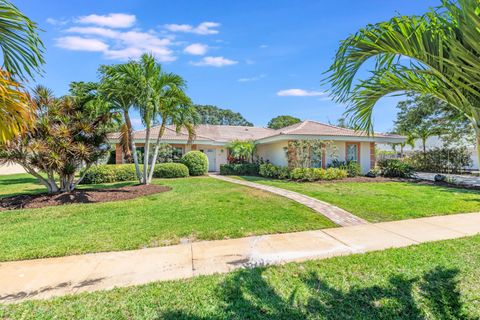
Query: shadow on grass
pixel 247 295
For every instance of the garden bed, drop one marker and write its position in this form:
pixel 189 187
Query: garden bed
pixel 80 196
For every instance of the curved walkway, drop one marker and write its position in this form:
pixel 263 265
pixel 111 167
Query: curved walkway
pixel 45 278
pixel 339 216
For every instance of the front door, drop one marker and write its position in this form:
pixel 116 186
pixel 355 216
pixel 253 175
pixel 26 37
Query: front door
pixel 211 155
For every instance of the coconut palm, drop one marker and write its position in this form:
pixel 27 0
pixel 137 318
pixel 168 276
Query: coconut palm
pixel 436 54
pixel 22 52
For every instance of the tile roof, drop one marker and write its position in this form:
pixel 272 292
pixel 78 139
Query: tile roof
pixel 221 133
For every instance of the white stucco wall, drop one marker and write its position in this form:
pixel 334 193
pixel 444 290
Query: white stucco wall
pixel 220 154
pixel 275 153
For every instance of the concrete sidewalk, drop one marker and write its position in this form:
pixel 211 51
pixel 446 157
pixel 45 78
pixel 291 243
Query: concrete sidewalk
pixel 338 215
pixel 45 278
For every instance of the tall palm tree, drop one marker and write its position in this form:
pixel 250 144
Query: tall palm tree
pixel 22 52
pixel 116 87
pixel 152 87
pixel 442 50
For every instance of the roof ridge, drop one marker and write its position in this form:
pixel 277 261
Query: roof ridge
pixel 294 128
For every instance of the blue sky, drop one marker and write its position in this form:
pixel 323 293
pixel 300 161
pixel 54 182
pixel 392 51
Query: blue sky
pixel 261 58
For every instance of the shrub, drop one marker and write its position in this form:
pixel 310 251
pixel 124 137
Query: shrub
pixel 240 169
pixel 269 170
pixel 441 160
pixel 395 168
pixel 352 167
pixel 170 170
pixel 126 172
pixel 315 174
pixel 196 162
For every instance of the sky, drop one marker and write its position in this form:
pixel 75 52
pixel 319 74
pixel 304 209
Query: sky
pixel 260 58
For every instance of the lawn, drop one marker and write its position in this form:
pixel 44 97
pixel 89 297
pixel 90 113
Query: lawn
pixel 195 208
pixel 430 281
pixel 386 201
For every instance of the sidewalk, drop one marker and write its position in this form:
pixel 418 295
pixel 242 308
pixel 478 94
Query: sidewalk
pixel 45 278
pixel 338 215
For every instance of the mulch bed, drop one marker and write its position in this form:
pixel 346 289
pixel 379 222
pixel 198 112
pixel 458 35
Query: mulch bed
pixel 80 196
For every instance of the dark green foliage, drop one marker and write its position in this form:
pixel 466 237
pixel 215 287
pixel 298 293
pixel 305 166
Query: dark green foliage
pixel 395 168
pixel 126 172
pixel 240 169
pixel 197 163
pixel 352 167
pixel 213 115
pixel 441 160
pixel 282 122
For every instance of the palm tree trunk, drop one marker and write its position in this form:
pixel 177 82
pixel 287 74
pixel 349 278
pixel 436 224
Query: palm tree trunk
pixel 155 153
pixel 145 156
pixel 128 122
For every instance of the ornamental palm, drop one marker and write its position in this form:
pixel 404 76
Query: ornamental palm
pixel 443 47
pixel 22 52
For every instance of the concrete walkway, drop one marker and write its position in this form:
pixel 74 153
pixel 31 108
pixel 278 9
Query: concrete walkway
pixel 336 214
pixel 462 179
pixel 45 278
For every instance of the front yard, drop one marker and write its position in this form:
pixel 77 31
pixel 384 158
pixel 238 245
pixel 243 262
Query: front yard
pixel 195 208
pixel 385 201
pixel 429 281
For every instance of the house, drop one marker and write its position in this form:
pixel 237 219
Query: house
pixel 270 144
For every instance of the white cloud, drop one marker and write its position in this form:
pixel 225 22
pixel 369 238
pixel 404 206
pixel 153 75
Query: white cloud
pixel 263 46
pixel 214 62
pixel 122 45
pixel 255 78
pixel 112 20
pixel 196 49
pixel 203 28
pixel 56 22
pixel 300 93
pixel 81 44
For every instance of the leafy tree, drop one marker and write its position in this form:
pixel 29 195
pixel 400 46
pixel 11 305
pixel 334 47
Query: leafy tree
pixel 282 122
pixel 241 151
pixel 209 114
pixel 421 117
pixel 22 52
pixel 442 48
pixel 67 135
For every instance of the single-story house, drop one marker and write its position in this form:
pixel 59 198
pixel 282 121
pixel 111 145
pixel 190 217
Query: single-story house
pixel 270 144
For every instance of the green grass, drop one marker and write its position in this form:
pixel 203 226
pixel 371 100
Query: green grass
pixel 385 201
pixel 429 281
pixel 195 208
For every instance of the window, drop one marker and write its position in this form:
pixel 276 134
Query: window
pixel 352 152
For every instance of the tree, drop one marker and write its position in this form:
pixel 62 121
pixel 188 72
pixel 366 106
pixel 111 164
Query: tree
pixel 22 52
pixel 159 98
pixel 67 135
pixel 442 50
pixel 282 122
pixel 209 114
pixel 241 151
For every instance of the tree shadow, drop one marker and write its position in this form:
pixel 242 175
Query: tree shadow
pixel 247 295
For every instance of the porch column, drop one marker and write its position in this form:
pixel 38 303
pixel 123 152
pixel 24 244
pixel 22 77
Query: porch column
pixel 118 154
pixel 373 159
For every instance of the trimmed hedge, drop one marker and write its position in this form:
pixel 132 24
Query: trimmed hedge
pixel 352 167
pixel 197 163
pixel 315 174
pixel 240 169
pixel 108 173
pixel 269 170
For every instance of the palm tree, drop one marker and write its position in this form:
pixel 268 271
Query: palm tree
pixel 22 52
pixel 442 50
pixel 153 88
pixel 116 87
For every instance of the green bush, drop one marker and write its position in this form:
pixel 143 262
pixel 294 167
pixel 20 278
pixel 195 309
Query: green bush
pixel 196 162
pixel 170 170
pixel 126 172
pixel 315 174
pixel 269 170
pixel 395 168
pixel 444 160
pixel 352 167
pixel 240 169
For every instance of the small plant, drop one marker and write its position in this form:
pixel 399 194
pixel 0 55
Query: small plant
pixel 395 168
pixel 170 170
pixel 352 167
pixel 269 170
pixel 196 162
pixel 316 174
